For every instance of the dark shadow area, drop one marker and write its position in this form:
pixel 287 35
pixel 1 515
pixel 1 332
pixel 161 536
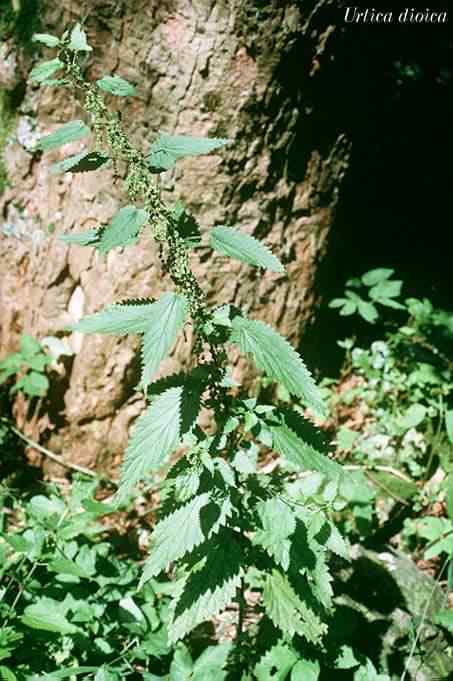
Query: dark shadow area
pixel 15 470
pixel 374 587
pixel 349 625
pixel 390 89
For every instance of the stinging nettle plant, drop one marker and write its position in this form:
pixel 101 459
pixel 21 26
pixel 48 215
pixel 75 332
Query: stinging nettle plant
pixel 225 526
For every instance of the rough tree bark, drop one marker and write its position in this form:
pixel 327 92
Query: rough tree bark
pixel 248 71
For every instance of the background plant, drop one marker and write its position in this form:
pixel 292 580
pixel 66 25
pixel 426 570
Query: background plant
pixel 28 366
pixel 399 390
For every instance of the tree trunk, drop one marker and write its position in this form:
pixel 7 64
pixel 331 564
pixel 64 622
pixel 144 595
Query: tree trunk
pixel 249 71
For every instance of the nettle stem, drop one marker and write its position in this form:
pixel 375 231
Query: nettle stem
pixel 140 183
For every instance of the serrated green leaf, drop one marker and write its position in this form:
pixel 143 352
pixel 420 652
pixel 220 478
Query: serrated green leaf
pixel 287 611
pixel 350 295
pixel 337 302
pixel 117 86
pixel 181 665
pixel 276 664
pixel 42 72
pixel 278 523
pixel 367 311
pixel 346 658
pixel 175 535
pixel 386 289
pixel 64 566
pixel 306 670
pixel 243 247
pixel 155 436
pixel 43 616
pixel 186 225
pixel 167 317
pixel 87 238
pixel 105 674
pixel 208 589
pixel 39 362
pixel 348 308
pixel 116 319
pixel 369 673
pixel 336 543
pixel 98 508
pixel 46 39
pixel 245 462
pixel 18 543
pixel 183 530
pixel 346 438
pixel 374 277
pixel 123 229
pixel 80 163
pixel 44 507
pixel 167 149
pixel 301 454
pixel 131 610
pixel 212 661
pixel 389 302
pixel 412 417
pixel 5 673
pixel 33 384
pixel 274 355
pixel 186 485
pixel 78 41
pixel 29 346
pixel 321 582
pixel 445 619
pixel 69 132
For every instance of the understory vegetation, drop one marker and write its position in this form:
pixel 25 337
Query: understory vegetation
pixel 305 534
